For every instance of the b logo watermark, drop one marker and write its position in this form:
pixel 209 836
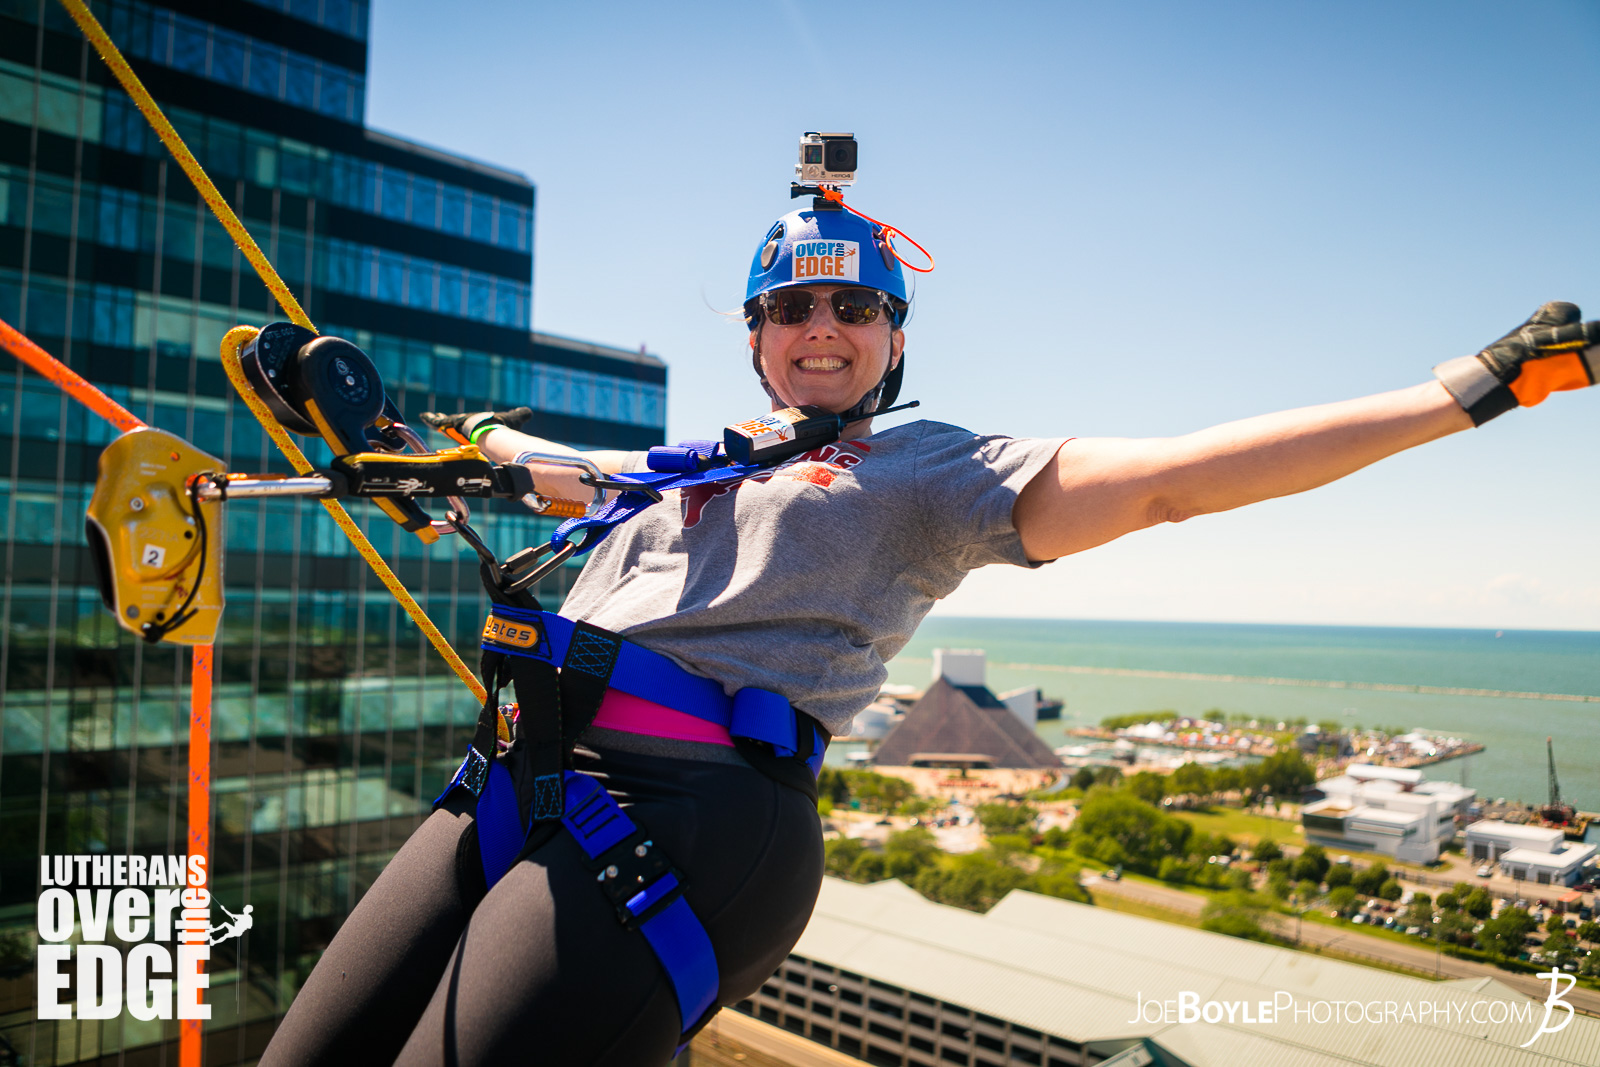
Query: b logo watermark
pixel 1557 999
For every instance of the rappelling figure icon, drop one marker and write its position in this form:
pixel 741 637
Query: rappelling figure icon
pixel 238 925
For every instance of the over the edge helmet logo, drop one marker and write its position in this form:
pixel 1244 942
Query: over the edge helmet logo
pixel 827 259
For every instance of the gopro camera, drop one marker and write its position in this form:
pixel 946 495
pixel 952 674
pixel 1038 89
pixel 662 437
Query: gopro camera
pixel 827 158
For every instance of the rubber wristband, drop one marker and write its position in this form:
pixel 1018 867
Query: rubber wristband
pixel 481 430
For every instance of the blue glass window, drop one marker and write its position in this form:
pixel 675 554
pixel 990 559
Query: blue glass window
pixel 450 285
pixel 189 47
pixel 454 217
pixel 333 95
pixel 479 291
pixel 507 304
pixel 227 60
pixel 266 70
pixel 391 277
pixel 482 208
pixel 394 194
pixel 419 288
pixel 300 86
pixel 424 202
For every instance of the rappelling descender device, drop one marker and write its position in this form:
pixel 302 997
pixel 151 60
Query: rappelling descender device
pixel 152 523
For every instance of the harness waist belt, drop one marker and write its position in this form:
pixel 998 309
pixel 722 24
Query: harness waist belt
pixel 650 676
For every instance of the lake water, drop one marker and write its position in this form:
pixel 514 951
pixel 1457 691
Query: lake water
pixel 1281 672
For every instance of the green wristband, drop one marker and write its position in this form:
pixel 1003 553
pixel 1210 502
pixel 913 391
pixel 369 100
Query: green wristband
pixel 485 428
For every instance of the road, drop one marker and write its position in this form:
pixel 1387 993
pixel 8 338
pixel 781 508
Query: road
pixel 1352 942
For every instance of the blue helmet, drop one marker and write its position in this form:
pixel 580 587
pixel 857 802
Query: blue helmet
pixel 829 247
pixel 825 247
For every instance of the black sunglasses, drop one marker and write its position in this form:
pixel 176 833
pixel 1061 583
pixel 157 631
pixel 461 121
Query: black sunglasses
pixel 853 307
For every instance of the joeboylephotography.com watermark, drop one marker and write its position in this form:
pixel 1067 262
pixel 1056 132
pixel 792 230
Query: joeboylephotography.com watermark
pixel 1284 1007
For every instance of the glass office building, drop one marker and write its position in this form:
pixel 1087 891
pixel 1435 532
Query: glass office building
pixel 334 722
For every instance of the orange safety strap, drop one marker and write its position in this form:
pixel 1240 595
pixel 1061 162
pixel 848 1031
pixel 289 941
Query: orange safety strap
pixel 199 810
pixel 886 233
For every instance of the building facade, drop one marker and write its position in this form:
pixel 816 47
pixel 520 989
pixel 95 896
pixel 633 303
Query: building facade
pixel 334 723
pixel 1392 810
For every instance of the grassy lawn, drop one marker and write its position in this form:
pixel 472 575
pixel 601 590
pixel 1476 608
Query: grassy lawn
pixel 1242 825
pixel 1112 902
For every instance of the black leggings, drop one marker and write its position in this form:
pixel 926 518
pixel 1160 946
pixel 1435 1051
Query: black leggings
pixel 429 969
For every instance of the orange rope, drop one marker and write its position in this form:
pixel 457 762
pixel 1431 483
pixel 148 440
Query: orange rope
pixel 886 233
pixel 75 385
pixel 199 812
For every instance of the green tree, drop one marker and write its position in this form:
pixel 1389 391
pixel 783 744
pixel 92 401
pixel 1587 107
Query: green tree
pixel 1311 864
pixel 1560 947
pixel 1190 778
pixel 1369 880
pixel 1504 934
pixel 1391 890
pixel 1141 833
pixel 1147 786
pixel 1306 891
pixel 1448 901
pixel 907 852
pixel 831 784
pixel 869 867
pixel 1420 912
pixel 1478 903
pixel 974 881
pixel 1005 818
pixel 1057 837
pixel 1227 780
pixel 1589 931
pixel 1267 851
pixel 1059 880
pixel 1237 914
pixel 1555 924
pixel 1590 967
pixel 1278 885
pixel 1108 776
pixel 1083 778
pixel 1343 900
pixel 1340 874
pixel 1283 774
pixel 840 854
pixel 878 792
pixel 1455 926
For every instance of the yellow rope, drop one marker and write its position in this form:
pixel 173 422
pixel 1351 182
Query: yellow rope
pixel 232 341
pixel 97 36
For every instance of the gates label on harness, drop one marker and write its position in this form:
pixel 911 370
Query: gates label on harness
pixel 827 259
pixel 508 632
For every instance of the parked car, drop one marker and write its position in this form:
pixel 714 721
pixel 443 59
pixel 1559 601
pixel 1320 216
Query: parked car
pixel 1359 919
pixel 1485 871
pixel 1415 930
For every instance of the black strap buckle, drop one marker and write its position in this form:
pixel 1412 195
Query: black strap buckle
pixel 630 867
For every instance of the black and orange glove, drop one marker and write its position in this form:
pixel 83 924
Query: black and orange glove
pixel 466 429
pixel 1552 351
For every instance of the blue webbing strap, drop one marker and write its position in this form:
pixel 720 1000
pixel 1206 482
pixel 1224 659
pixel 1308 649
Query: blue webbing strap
pixel 500 830
pixel 625 505
pixel 638 671
pixel 657 908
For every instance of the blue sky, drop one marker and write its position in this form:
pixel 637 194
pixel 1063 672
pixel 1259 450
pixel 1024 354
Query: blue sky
pixel 1148 217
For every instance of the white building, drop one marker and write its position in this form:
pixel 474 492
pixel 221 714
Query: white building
pixel 1536 854
pixel 1392 810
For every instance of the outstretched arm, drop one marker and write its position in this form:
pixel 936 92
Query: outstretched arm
pixel 1096 490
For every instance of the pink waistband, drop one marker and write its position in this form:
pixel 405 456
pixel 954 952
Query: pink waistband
pixel 636 715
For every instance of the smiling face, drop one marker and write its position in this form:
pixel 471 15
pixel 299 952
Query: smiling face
pixel 824 362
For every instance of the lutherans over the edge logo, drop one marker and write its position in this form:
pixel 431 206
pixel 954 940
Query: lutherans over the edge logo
pixel 127 931
pixel 827 259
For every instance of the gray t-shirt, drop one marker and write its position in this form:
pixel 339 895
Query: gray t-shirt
pixel 806 580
